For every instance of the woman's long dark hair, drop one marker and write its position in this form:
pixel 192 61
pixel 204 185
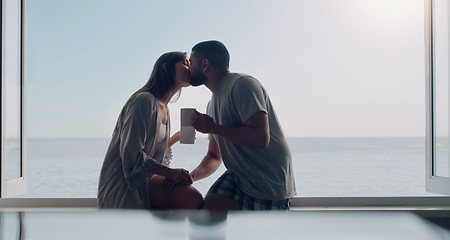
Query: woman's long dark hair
pixel 162 80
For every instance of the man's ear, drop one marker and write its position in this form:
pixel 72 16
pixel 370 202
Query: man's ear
pixel 205 64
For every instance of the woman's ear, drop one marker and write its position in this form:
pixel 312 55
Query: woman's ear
pixel 164 67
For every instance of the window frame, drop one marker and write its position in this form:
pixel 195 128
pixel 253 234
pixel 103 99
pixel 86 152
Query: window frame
pixel 297 201
pixel 435 184
pixel 14 186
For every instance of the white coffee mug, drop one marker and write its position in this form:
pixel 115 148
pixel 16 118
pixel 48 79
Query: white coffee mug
pixel 187 132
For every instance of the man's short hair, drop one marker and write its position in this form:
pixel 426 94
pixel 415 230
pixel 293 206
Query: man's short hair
pixel 215 52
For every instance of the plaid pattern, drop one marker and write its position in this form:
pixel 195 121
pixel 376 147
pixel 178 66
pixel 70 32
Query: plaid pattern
pixel 226 186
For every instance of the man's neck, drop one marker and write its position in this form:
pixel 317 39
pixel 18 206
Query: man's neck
pixel 214 80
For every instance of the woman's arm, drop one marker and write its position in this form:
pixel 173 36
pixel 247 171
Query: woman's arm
pixel 136 163
pixel 174 139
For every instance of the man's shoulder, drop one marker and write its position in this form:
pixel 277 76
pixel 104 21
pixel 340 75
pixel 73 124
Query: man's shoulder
pixel 246 81
pixel 241 76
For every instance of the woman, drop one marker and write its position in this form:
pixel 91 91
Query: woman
pixel 135 172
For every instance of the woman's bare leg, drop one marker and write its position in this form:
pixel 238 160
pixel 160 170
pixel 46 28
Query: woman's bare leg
pixel 180 197
pixel 216 202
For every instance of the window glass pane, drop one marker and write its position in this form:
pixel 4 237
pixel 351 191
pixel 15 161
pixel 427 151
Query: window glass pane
pixel 10 225
pixel 441 76
pixel 345 77
pixel 12 83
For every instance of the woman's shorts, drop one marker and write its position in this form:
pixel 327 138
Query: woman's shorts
pixel 226 186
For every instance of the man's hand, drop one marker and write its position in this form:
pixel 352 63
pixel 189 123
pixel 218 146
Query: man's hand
pixel 254 133
pixel 202 122
pixel 170 184
pixel 179 176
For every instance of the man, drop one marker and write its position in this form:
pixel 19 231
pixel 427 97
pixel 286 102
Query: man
pixel 244 133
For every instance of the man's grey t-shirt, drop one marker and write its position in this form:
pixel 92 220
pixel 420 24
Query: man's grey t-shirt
pixel 262 173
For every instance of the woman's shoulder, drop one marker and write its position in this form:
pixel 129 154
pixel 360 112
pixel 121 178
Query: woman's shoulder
pixel 145 99
pixel 144 96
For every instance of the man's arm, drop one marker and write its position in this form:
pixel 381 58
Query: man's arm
pixel 254 133
pixel 209 164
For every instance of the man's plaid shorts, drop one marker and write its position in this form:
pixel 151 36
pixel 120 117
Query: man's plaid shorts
pixel 226 186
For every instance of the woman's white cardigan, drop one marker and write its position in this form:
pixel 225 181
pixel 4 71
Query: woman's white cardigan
pixel 129 162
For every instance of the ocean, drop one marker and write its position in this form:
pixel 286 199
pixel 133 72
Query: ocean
pixel 323 167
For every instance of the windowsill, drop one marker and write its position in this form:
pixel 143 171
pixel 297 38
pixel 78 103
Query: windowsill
pixel 441 203
pixel 433 209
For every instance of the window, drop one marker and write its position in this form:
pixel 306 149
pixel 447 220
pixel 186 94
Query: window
pixel 12 102
pixel 336 72
pixel 438 102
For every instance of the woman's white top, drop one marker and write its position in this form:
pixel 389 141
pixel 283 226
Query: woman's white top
pixel 161 144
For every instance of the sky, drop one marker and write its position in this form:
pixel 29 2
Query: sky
pixel 332 68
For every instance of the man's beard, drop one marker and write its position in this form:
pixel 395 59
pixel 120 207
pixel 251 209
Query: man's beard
pixel 197 79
